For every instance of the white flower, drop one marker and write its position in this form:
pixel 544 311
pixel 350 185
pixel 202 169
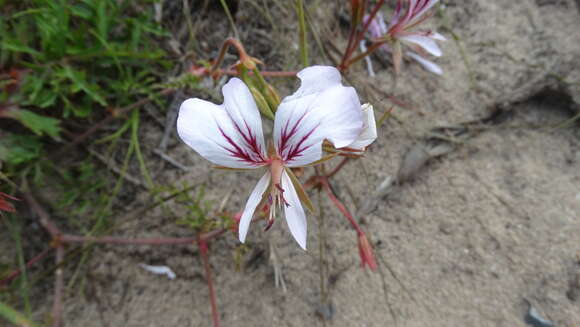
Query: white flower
pixel 401 28
pixel 230 135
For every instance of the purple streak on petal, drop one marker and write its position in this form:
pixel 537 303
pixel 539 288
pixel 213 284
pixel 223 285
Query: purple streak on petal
pixel 239 153
pixel 290 151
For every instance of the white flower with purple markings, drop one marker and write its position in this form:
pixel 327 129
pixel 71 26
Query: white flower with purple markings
pixel 230 135
pixel 401 30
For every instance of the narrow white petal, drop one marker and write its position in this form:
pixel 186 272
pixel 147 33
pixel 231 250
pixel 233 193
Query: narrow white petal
pixel 437 36
pixel 422 12
pixel 425 42
pixel 159 270
pixel 251 205
pixel 427 64
pixel 295 216
pixel 368 61
pixel 322 108
pixel 369 132
pixel 229 134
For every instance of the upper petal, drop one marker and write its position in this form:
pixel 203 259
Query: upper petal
pixel 322 108
pixel 369 132
pixel 251 204
pixel 422 9
pixel 426 42
pixel 230 134
pixel 295 216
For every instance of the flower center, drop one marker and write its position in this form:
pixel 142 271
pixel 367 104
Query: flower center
pixel 276 196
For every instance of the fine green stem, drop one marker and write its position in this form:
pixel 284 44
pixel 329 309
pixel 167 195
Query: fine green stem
pixel 302 32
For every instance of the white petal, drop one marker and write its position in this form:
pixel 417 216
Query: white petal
pixel 427 64
pixel 421 12
pixel 295 216
pixel 425 42
pixel 229 134
pixel 397 15
pixel 322 108
pixel 369 132
pixel 315 79
pixel 437 36
pixel 251 205
pixel 368 61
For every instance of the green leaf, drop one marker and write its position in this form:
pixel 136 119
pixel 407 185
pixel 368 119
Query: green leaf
pixel 38 124
pixel 80 83
pixel 14 316
pixel 16 149
pixel 17 47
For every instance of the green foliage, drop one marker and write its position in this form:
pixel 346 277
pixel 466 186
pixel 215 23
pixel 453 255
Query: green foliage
pixel 75 59
pixel 198 210
pixel 38 124
pixel 16 149
pixel 80 189
pixel 14 316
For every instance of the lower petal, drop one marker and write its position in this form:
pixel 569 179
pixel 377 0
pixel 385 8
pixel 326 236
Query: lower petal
pixel 424 42
pixel 251 205
pixel 295 216
pixel 427 64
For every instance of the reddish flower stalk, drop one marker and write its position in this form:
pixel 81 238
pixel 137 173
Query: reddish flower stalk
pixel 245 59
pixel 6 280
pixel 365 248
pixel 203 250
pixel 346 62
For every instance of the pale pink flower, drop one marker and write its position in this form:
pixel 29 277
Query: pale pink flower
pixel 230 135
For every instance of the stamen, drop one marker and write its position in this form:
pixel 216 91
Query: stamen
pixel 281 195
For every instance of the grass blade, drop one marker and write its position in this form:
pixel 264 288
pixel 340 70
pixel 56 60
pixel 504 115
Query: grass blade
pixel 14 316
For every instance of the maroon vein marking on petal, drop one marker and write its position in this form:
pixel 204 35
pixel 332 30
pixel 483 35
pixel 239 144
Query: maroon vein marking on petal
pixel 251 139
pixel 237 151
pixel 285 135
pixel 297 149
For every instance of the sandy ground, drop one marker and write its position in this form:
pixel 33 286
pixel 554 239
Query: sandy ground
pixel 468 240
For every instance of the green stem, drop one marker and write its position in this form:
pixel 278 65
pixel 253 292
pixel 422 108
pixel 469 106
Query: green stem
pixel 302 32
pixel 230 17
pixel 14 316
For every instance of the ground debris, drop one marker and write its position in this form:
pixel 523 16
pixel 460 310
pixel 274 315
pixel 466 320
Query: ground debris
pixel 534 318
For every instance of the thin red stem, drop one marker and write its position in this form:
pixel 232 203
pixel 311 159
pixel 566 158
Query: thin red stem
pixel 29 264
pixel 360 36
pixel 44 219
pixel 58 288
pixel 338 167
pixel 341 207
pixel 203 249
pixel 371 49
pixel 143 241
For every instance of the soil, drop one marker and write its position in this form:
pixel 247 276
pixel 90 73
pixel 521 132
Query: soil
pixel 469 236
